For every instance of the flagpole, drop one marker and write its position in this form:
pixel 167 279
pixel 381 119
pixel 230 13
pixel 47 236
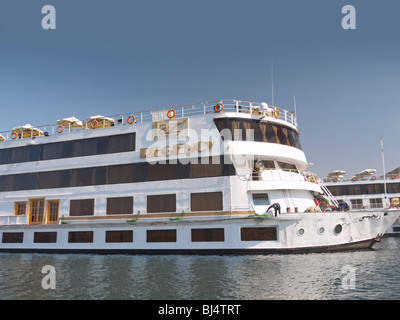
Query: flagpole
pixel 383 166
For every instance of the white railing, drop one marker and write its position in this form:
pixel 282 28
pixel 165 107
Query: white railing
pixel 156 115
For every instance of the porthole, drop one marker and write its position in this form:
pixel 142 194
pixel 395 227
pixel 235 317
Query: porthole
pixel 300 232
pixel 338 229
pixel 321 230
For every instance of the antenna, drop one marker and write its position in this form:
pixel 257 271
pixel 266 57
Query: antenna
pixel 294 104
pixel 272 81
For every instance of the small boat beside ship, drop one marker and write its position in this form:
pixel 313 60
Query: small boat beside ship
pixel 219 177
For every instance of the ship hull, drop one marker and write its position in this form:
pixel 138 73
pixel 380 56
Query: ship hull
pixel 287 233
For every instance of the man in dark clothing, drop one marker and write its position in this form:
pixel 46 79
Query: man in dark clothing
pixel 276 207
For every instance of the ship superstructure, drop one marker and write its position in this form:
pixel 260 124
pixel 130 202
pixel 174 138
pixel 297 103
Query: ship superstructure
pixel 188 179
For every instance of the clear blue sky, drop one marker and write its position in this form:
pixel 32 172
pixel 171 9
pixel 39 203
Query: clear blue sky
pixel 109 57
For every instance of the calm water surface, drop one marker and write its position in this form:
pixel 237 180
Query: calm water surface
pixel 300 276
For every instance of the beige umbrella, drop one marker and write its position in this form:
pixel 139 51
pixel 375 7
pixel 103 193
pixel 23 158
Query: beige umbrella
pixel 68 123
pixel 99 122
pixel 26 131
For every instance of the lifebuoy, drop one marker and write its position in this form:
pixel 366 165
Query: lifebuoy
pixel 171 113
pixel 60 128
pixel 219 107
pixel 373 178
pixel 335 180
pixel 354 179
pixel 94 124
pixel 394 176
pixel 131 119
pixel 14 135
pixel 277 114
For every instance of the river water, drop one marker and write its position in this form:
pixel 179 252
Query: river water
pixel 365 274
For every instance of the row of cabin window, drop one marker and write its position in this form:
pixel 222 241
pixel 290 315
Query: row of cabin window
pixel 69 149
pixel 252 130
pixel 115 174
pixel 38 214
pixel 165 235
pixel 205 201
pixel 359 189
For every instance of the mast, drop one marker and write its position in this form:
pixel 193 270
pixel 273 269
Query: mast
pixel 383 166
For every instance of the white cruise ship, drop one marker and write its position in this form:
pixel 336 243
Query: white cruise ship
pixel 192 179
pixel 366 190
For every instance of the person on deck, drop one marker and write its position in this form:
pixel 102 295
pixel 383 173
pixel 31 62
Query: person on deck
pixel 276 207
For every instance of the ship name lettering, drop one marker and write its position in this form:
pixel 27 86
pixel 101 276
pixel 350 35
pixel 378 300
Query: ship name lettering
pixel 176 149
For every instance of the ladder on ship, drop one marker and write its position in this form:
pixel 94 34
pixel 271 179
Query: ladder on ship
pixel 328 193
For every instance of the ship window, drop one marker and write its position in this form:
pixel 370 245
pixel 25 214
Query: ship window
pixel 247 129
pixel 121 143
pixel 355 189
pixel 393 187
pixel 53 207
pixel 258 234
pixel 206 201
pixel 356 203
pixel 53 179
pixel 36 211
pixel 120 205
pixel 83 207
pixel 376 203
pixel 375 188
pixel 68 149
pixel 124 173
pixel 45 237
pixel 119 236
pixel 120 173
pixel 21 181
pixel 52 151
pixel 208 235
pixel 85 147
pixel 168 235
pixel 286 166
pixel 159 171
pixel 12 237
pixel 80 236
pixel 206 167
pixel 161 203
pixel 5 156
pixel 261 199
pixel 20 208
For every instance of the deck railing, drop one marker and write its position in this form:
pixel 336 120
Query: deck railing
pixel 217 106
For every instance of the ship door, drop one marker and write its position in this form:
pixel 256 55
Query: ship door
pixel 36 211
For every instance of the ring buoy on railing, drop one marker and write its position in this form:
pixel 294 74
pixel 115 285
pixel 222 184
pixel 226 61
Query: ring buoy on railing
pixel 335 179
pixel 394 176
pixel 14 135
pixel 131 119
pixel 60 128
pixel 94 124
pixel 277 114
pixel 171 113
pixel 373 178
pixel 219 107
pixel 354 179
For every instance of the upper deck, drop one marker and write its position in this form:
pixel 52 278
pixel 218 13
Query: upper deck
pixel 72 124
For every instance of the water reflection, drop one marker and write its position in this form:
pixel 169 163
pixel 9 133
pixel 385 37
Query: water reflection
pixel 305 276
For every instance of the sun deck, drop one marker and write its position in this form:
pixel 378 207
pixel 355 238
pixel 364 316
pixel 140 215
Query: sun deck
pixel 72 124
